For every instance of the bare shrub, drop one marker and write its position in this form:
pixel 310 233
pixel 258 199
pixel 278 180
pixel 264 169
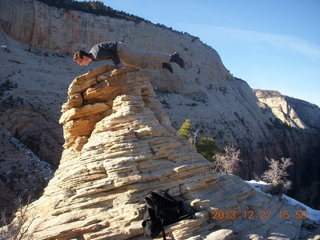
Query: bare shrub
pixel 193 137
pixel 276 175
pixel 227 162
pixel 19 227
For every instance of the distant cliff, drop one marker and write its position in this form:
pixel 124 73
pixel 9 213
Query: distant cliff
pixel 281 108
pixel 291 111
pixel 218 104
pixel 295 125
pixel 309 113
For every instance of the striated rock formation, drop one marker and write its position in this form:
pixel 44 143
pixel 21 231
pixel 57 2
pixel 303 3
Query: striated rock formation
pixel 218 104
pixel 291 111
pixel 221 106
pixel 307 112
pixel 119 145
pixel 280 108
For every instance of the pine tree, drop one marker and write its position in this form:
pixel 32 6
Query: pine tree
pixel 185 129
pixel 207 147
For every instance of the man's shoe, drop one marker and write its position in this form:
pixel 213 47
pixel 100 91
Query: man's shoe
pixel 167 66
pixel 177 59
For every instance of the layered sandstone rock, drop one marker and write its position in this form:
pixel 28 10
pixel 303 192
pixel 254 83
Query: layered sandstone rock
pixel 280 108
pixel 219 105
pixel 309 113
pixel 119 145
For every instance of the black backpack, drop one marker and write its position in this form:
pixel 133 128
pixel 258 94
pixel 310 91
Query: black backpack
pixel 161 209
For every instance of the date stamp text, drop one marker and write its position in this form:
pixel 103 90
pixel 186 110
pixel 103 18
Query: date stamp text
pixel 263 214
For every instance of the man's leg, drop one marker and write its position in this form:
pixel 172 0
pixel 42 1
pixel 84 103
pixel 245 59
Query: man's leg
pixel 141 59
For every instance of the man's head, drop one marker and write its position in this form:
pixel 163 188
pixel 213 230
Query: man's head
pixel 82 58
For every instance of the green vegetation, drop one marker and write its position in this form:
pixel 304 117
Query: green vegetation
pixel 206 146
pixel 185 129
pixel 228 160
pixel 95 7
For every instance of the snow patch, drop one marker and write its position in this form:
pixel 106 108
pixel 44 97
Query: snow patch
pixel 313 215
pixel 259 186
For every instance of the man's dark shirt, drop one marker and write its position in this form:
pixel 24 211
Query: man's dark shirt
pixel 104 51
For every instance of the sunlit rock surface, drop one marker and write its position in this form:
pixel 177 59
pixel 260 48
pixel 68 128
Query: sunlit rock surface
pixel 119 145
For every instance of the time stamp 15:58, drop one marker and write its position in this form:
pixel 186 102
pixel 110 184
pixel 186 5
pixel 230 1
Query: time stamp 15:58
pixel 263 214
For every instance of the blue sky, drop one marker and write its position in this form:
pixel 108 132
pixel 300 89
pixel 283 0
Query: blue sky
pixel 271 44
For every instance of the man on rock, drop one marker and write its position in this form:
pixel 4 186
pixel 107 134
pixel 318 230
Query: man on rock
pixel 120 52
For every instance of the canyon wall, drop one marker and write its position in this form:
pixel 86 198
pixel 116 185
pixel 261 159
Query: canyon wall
pixel 296 128
pixel 218 104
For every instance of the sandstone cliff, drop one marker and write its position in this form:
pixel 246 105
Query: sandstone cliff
pixel 291 111
pixel 218 104
pixel 299 120
pixel 119 144
pixel 308 113
pixel 280 108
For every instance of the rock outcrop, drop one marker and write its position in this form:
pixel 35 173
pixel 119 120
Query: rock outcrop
pixel 218 104
pixel 221 106
pixel 119 145
pixel 280 108
pixel 309 113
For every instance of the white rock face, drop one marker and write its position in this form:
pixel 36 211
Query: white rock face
pixel 280 108
pixel 38 24
pixel 220 105
pixel 307 112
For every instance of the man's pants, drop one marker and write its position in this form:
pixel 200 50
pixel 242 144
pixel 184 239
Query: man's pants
pixel 141 59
